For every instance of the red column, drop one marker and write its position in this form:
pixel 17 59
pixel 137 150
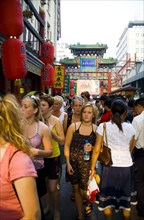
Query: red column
pixel 109 82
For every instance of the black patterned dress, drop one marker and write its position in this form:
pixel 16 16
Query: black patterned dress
pixel 80 166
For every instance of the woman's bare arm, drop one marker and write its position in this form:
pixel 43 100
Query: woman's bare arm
pixel 59 135
pixel 95 153
pixel 27 194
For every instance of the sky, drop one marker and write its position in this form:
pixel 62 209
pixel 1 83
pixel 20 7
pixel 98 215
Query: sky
pixel 98 21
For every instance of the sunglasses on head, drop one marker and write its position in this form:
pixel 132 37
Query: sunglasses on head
pixel 35 100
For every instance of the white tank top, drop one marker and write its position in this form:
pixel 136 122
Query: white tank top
pixel 61 117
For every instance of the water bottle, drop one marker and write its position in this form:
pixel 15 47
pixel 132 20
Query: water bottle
pixel 86 153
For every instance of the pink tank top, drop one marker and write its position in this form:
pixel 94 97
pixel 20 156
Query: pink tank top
pixel 36 142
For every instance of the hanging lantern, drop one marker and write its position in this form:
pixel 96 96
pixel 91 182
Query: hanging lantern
pixel 47 75
pixel 11 18
pixel 72 93
pixel 47 53
pixel 71 84
pixel 14 59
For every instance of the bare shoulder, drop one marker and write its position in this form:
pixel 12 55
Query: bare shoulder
pixel 75 125
pixel 55 121
pixel 43 127
pixel 65 114
pixel 54 118
pixel 94 127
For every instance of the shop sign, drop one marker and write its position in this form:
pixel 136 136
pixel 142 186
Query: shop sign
pixel 59 74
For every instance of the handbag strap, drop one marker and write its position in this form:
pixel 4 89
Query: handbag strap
pixel 104 135
pixel 12 182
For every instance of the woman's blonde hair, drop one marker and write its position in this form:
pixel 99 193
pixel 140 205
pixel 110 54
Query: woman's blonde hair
pixel 36 104
pixel 10 123
pixel 94 111
pixel 59 99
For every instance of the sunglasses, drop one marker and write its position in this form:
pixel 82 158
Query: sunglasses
pixel 35 100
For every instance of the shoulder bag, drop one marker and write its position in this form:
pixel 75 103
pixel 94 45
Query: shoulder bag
pixel 105 152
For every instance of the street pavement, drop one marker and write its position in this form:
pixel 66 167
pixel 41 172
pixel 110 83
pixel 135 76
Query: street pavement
pixel 68 210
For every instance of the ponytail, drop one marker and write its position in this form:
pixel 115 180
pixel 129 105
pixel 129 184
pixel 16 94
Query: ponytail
pixel 118 109
pixel 116 118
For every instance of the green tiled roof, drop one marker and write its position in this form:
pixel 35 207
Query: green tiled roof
pixel 74 61
pixel 69 61
pixel 109 60
pixel 88 46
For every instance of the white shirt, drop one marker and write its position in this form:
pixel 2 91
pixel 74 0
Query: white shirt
pixel 138 123
pixel 119 142
pixel 61 117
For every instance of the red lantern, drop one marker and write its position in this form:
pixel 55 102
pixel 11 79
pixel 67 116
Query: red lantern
pixel 47 52
pixel 11 18
pixel 47 75
pixel 72 93
pixel 14 59
pixel 71 84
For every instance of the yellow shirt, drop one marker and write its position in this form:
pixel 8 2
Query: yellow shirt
pixel 55 146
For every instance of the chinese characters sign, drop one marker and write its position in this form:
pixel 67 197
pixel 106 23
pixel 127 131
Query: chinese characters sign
pixel 67 84
pixel 59 73
pixel 88 64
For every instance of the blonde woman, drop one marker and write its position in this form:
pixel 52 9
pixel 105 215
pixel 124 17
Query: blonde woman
pixel 73 117
pixel 39 136
pixel 18 194
pixel 56 111
pixel 77 168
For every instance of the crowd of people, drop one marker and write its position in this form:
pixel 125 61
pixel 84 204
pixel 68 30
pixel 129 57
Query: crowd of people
pixel 41 131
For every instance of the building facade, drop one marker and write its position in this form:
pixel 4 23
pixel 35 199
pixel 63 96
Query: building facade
pixel 42 21
pixel 130 57
pixel 131 43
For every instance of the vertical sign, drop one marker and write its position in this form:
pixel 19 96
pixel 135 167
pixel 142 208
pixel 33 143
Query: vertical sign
pixel 67 84
pixel 59 73
pixel 75 88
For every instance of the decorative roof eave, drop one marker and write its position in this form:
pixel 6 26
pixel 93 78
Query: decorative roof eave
pixel 69 62
pixel 99 52
pixel 111 62
pixel 85 49
pixel 108 61
pixel 88 46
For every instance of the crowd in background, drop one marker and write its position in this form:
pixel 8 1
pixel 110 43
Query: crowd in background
pixel 40 132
